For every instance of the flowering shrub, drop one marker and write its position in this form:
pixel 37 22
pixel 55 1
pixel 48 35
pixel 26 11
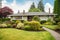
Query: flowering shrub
pixel 33 25
pixel 3 25
pixel 20 26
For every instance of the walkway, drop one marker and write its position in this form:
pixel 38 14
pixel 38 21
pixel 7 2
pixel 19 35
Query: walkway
pixel 54 34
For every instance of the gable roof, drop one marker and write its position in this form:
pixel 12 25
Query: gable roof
pixel 32 14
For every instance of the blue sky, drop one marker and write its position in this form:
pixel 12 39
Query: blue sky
pixel 23 1
pixel 25 4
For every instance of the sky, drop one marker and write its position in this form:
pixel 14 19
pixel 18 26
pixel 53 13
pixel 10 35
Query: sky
pixel 20 5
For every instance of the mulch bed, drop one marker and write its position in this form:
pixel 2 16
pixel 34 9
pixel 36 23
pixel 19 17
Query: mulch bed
pixel 58 31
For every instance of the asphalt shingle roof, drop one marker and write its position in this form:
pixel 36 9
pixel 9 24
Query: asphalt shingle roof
pixel 32 13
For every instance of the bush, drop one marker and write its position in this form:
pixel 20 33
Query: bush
pixel 17 21
pixel 27 27
pixel 43 21
pixel 20 26
pixel 26 22
pixel 48 23
pixel 5 19
pixel 36 18
pixel 35 25
pixel 9 25
pixel 58 25
pixel 14 25
pixel 3 25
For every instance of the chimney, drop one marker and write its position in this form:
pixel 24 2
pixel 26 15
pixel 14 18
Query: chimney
pixel 23 11
pixel 18 11
pixel 49 10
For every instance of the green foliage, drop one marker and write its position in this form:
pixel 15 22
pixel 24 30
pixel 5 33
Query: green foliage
pixel 4 19
pixel 26 22
pixel 27 27
pixel 35 25
pixel 9 25
pixel 20 26
pixel 36 18
pixel 49 22
pixel 17 21
pixel 32 6
pixel 34 10
pixel 57 19
pixel 57 9
pixel 53 27
pixel 41 6
pixel 43 21
pixel 58 25
pixel 3 25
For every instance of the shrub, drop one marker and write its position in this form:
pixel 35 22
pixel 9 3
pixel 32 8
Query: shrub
pixel 27 27
pixel 5 19
pixel 20 26
pixel 43 21
pixel 26 22
pixel 49 22
pixel 9 25
pixel 14 25
pixel 36 18
pixel 17 21
pixel 58 25
pixel 35 25
pixel 3 25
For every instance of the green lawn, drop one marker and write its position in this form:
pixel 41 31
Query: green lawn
pixel 15 34
pixel 53 27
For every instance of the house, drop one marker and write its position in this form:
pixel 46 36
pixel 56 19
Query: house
pixel 29 15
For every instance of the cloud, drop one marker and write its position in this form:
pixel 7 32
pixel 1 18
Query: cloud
pixel 17 7
pixel 25 6
pixel 47 6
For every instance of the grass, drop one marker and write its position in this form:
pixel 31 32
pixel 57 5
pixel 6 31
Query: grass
pixel 15 34
pixel 53 27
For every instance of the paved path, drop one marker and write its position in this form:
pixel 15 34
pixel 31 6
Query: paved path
pixel 54 34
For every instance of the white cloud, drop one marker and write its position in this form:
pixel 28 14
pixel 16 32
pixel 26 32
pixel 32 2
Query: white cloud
pixel 47 6
pixel 16 7
pixel 25 6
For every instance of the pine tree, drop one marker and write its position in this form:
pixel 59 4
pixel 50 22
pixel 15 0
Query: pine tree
pixel 41 6
pixel 57 10
pixel 57 7
pixel 32 6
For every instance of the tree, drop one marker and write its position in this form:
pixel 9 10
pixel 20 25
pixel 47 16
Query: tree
pixel 41 6
pixel 57 7
pixel 32 6
pixel 57 10
pixel 34 10
pixel 5 11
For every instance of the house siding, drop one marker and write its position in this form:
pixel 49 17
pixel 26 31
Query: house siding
pixel 24 18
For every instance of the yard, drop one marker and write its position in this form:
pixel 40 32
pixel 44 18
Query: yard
pixel 16 34
pixel 53 27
